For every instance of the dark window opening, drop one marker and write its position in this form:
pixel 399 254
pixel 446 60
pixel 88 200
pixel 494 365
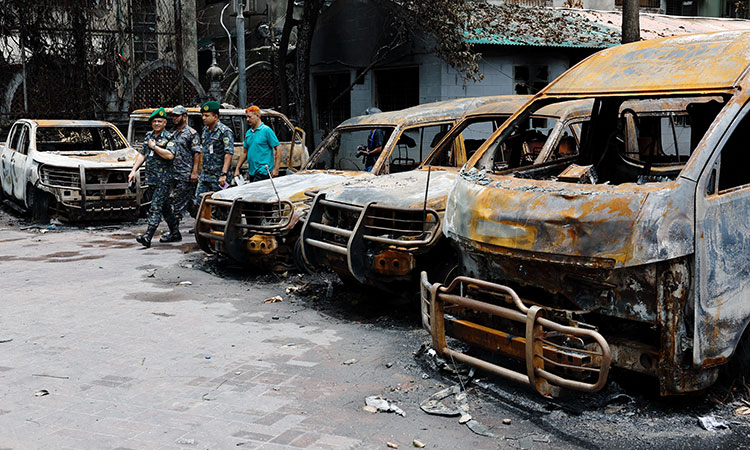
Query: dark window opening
pixel 397 88
pixel 734 158
pixel 333 98
pixel 414 145
pixel 145 45
pixel 530 79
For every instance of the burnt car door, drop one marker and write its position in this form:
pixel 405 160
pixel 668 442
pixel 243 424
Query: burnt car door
pixel 5 159
pixel 722 246
pixel 18 162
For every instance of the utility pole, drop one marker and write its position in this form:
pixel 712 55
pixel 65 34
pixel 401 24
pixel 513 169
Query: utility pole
pixel 631 27
pixel 240 30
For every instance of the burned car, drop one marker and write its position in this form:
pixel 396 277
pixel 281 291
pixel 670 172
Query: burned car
pixel 627 254
pixel 259 223
pixel 383 231
pixel 291 138
pixel 77 169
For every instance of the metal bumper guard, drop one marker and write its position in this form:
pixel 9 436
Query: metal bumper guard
pixel 541 355
pixel 229 231
pixel 319 238
pixel 98 203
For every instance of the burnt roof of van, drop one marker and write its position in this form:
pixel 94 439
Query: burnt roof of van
pixel 706 62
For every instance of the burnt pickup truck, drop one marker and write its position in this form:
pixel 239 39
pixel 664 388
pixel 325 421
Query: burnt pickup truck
pixel 76 169
pixel 291 138
pixel 630 253
pixel 383 231
pixel 259 223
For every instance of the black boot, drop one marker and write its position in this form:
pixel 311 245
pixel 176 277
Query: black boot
pixel 145 238
pixel 174 232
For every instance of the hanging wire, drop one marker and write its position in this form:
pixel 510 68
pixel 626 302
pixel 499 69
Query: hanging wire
pixel 229 35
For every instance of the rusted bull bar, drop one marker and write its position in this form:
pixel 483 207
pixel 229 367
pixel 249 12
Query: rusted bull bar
pixel 367 238
pixel 549 365
pixel 225 225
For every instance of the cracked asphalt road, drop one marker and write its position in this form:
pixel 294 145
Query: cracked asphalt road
pixel 104 344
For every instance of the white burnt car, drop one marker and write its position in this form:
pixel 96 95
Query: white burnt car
pixel 76 169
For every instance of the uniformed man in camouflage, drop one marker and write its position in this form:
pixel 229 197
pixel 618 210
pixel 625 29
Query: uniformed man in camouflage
pixel 186 146
pixel 217 148
pixel 156 153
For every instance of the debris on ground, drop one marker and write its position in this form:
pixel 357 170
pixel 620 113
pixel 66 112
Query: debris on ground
pixel 41 393
pixel 417 443
pixel 183 441
pixel 506 421
pixel 435 405
pixel 275 299
pixel 349 362
pixel 710 423
pixel 370 409
pixel 186 283
pixel 383 405
pixel 292 289
pixel 391 445
pixel 742 411
pixel 5 341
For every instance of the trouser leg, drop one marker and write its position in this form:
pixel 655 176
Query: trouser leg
pixel 158 201
pixel 182 195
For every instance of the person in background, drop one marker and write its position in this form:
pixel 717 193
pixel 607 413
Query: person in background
pixel 260 148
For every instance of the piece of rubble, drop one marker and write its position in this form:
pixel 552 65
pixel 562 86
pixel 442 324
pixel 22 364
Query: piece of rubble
pixel 186 283
pixel 275 299
pixel 383 405
pixel 506 421
pixel 370 409
pixel 464 418
pixel 41 393
pixel 711 424
pixel 742 411
pixel 391 445
pixel 349 362
pixel 417 443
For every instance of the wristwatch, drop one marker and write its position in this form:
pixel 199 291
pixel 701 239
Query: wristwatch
pixel 224 174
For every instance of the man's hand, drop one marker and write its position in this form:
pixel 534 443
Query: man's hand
pixel 222 180
pixel 194 177
pixel 151 143
pixel 275 172
pixel 131 176
pixel 237 172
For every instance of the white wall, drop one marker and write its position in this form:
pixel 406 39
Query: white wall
pixel 438 81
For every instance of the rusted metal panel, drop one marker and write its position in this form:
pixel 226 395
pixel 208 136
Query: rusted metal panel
pixel 700 62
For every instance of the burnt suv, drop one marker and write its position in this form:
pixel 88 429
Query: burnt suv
pixel 259 223
pixel 629 253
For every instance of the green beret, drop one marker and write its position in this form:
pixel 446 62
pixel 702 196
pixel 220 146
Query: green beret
pixel 212 106
pixel 158 114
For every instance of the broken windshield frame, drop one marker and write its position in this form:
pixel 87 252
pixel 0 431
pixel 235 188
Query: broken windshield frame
pixel 341 149
pixel 628 139
pixel 78 139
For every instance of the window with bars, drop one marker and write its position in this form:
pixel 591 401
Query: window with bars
pixel 330 87
pixel 145 45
